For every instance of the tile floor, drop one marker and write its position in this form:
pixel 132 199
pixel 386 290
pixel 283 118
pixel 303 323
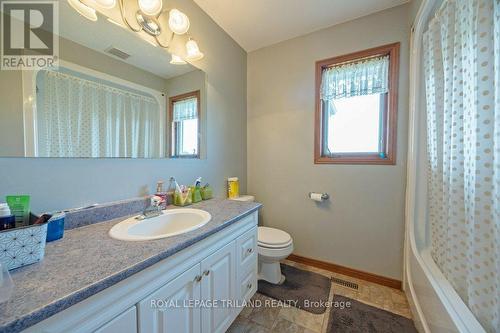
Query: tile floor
pixel 292 320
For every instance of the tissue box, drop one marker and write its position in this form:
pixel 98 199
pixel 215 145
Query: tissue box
pixel 23 246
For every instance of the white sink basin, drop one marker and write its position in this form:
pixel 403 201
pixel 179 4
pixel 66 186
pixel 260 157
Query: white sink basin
pixel 170 223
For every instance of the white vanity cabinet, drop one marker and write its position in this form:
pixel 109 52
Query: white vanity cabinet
pixel 218 286
pixel 192 291
pixel 188 303
pixel 246 258
pixel 166 310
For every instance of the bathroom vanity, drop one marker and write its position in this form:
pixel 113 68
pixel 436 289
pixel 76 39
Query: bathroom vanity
pixel 195 282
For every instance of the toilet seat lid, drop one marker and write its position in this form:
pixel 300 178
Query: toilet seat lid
pixel 271 237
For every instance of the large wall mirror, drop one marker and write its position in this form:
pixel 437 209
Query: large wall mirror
pixel 116 93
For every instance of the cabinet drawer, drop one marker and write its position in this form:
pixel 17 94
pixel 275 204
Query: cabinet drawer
pixel 246 247
pixel 248 285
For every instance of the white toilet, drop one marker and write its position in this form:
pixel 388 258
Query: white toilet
pixel 273 245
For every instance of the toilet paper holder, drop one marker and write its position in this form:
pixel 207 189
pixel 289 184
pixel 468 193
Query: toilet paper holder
pixel 315 196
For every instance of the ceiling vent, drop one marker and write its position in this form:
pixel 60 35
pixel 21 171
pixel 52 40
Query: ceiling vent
pixel 118 53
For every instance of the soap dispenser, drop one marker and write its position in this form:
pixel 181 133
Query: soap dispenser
pixel 162 194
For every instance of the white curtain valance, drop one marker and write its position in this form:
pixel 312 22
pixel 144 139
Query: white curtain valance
pixel 365 77
pixel 186 109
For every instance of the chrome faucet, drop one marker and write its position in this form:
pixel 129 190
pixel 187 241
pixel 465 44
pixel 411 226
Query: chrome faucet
pixel 153 210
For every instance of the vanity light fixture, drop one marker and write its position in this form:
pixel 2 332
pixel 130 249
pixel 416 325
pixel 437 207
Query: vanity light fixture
pixel 176 60
pixel 108 4
pixel 193 51
pixel 178 22
pixel 150 7
pixel 84 10
pixel 147 20
pixel 148 23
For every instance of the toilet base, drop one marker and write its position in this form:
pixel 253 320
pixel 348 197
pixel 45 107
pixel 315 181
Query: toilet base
pixel 271 272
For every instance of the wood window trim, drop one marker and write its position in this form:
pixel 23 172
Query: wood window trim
pixel 171 102
pixel 390 128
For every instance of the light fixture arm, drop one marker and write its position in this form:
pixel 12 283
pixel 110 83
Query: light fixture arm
pixel 169 41
pixel 124 18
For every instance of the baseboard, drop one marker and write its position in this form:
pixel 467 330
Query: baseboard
pixel 382 280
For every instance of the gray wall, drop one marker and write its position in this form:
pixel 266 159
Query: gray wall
pixel 64 183
pixel 362 225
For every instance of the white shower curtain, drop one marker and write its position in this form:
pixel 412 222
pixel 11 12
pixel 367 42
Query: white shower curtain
pixel 462 71
pixel 77 117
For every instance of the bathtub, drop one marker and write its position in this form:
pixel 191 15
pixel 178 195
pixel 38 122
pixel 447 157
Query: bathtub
pixel 435 305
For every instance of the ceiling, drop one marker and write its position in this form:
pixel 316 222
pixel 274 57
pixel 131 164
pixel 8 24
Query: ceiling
pixel 102 35
pixel 258 23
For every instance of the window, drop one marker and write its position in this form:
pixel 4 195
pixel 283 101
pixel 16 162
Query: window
pixel 184 119
pixel 356 107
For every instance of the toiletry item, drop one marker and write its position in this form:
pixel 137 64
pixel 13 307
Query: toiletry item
pixel 162 194
pixel 177 187
pixel 233 187
pixel 195 190
pixel 44 218
pixel 4 209
pixel 206 192
pixel 170 191
pixel 7 220
pixel 183 197
pixel 196 194
pixel 197 183
pixel 20 207
pixel 55 227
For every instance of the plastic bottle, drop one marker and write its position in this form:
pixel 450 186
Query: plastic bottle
pixel 7 220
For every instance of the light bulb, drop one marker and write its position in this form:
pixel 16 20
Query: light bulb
pixel 178 22
pixel 108 4
pixel 192 50
pixel 176 60
pixel 150 7
pixel 84 10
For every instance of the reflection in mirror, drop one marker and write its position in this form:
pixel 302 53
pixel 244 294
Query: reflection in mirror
pixel 184 124
pixel 83 116
pixel 110 97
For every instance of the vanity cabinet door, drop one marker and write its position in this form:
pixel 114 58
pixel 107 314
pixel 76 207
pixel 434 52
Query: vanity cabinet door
pixel 246 252
pixel 218 287
pixel 171 308
pixel 124 323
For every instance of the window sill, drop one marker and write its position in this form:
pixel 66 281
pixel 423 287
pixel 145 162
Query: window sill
pixel 186 156
pixel 368 159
